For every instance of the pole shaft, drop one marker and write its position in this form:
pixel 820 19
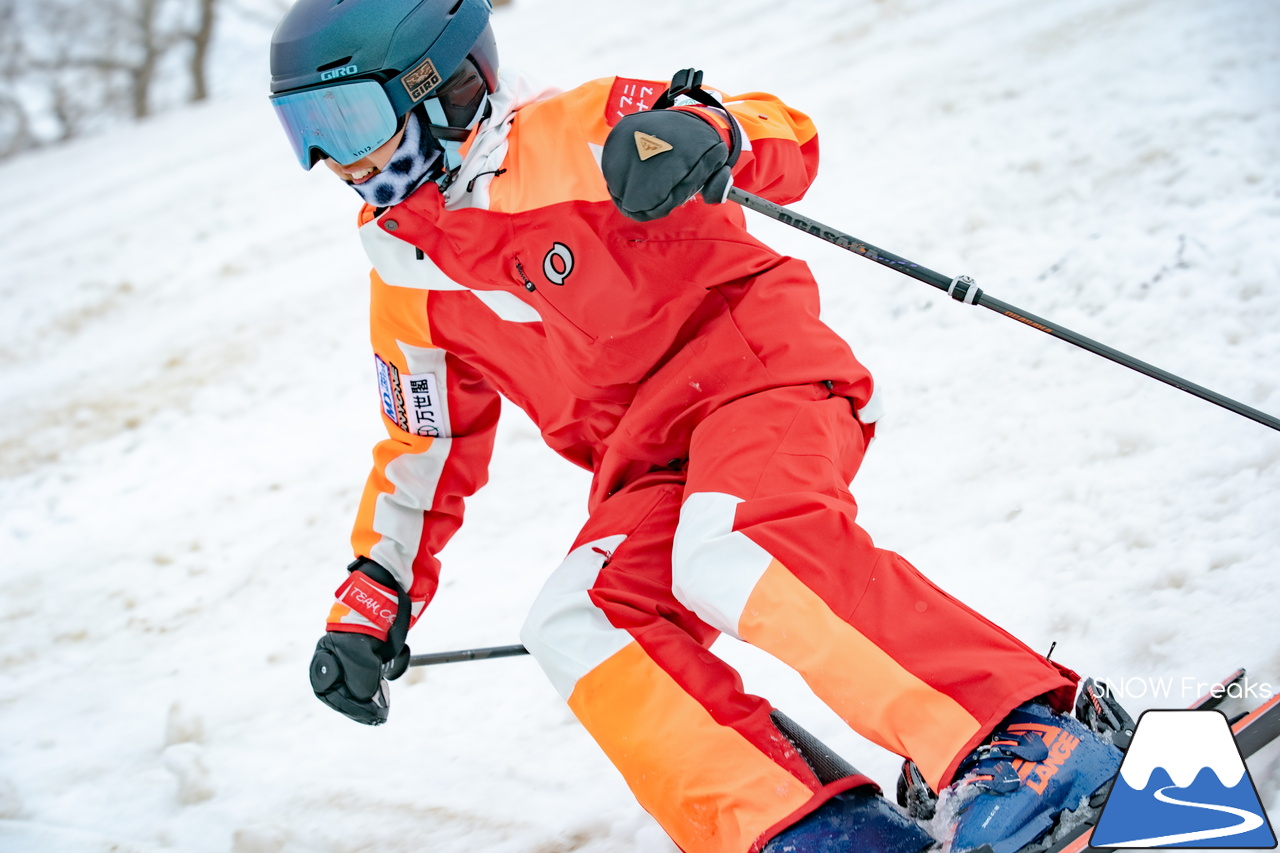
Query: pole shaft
pixel 963 289
pixel 1128 361
pixel 467 654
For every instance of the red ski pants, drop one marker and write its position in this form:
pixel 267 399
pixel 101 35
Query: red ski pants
pixel 757 538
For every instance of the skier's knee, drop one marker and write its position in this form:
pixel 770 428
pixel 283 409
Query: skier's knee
pixel 549 636
pixel 546 627
pixel 714 568
pixel 564 630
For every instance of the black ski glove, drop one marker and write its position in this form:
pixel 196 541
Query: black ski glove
pixel 656 160
pixel 350 670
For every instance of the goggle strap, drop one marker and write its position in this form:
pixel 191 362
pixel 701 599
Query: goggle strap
pixel 451 147
pixel 451 138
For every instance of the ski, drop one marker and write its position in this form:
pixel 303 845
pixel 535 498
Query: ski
pixel 1218 694
pixel 1258 728
pixel 1252 731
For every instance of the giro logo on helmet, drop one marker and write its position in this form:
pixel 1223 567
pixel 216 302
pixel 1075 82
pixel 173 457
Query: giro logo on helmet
pixel 333 74
pixel 558 263
pixel 420 81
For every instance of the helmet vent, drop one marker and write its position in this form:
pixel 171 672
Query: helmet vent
pixel 337 63
pixel 456 7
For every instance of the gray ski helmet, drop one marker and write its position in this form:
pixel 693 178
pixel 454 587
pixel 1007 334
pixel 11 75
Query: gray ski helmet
pixel 410 47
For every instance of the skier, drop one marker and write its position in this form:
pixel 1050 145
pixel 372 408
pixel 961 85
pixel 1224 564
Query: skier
pixel 569 251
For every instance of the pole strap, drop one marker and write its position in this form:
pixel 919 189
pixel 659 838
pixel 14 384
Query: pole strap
pixel 687 83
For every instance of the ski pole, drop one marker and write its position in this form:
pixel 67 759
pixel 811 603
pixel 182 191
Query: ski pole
pixel 962 289
pixel 467 654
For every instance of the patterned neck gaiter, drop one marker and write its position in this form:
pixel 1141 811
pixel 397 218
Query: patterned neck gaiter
pixel 409 166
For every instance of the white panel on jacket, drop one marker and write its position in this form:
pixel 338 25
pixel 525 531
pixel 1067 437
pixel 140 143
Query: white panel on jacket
pixel 398 264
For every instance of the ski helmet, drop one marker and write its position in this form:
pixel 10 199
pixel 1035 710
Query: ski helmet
pixel 345 73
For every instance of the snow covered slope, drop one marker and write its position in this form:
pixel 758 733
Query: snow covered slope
pixel 188 403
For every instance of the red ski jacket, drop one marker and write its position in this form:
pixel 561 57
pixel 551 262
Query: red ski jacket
pixel 616 337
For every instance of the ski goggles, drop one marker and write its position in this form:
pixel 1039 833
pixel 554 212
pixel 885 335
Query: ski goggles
pixel 347 121
pixel 344 122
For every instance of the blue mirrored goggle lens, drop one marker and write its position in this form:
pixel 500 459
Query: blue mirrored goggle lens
pixel 344 122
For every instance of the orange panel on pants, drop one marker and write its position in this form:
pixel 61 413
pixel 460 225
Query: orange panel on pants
pixel 765 547
pixel 902 662
pixel 699 753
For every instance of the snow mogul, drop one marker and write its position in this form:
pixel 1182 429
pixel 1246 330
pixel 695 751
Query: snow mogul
pixel 570 251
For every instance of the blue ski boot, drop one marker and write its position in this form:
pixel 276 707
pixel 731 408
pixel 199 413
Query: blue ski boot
pixel 1035 766
pixel 857 820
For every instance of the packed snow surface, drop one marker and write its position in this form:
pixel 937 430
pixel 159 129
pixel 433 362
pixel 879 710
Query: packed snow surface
pixel 189 400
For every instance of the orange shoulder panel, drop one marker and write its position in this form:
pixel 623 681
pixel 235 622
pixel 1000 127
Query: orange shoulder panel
pixel 550 152
pixel 554 145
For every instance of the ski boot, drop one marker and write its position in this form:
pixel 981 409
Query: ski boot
pixel 1036 766
pixel 859 820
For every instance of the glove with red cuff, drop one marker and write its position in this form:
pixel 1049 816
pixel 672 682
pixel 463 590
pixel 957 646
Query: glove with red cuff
pixel 656 160
pixel 364 645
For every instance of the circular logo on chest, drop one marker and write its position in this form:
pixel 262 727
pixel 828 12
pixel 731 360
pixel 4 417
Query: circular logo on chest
pixel 558 264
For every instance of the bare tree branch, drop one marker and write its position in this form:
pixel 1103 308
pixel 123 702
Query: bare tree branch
pixel 201 39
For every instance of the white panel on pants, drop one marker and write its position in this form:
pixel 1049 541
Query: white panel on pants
pixel 565 631
pixel 714 568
